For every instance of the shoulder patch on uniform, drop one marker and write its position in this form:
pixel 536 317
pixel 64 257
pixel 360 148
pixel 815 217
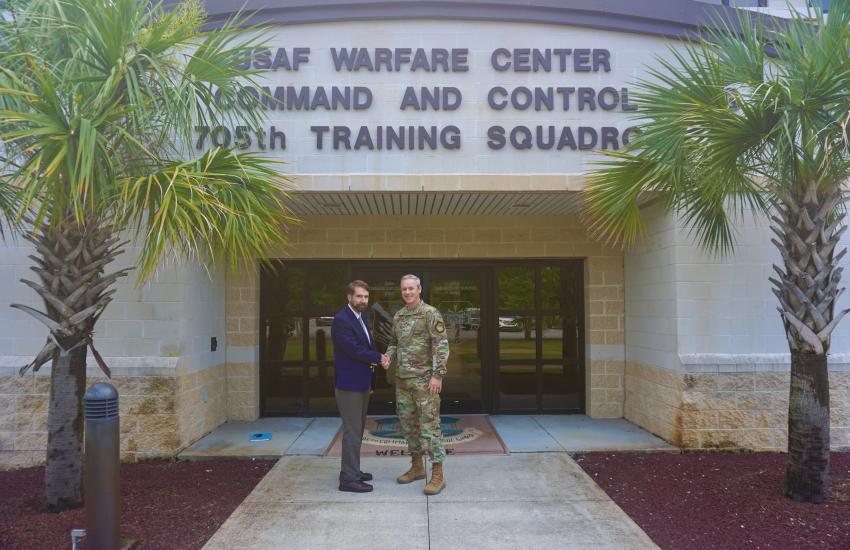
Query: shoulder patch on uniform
pixel 439 326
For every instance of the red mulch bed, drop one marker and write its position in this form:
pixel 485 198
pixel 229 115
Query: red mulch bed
pixel 168 505
pixel 722 500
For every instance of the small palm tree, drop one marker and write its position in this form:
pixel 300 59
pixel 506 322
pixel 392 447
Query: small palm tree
pixel 96 99
pixel 754 116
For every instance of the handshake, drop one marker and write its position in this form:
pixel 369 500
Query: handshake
pixel 385 361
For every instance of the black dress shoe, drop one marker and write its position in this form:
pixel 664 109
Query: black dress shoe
pixel 365 476
pixel 355 486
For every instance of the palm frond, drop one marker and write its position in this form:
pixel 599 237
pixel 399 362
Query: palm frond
pixel 724 127
pixel 98 99
pixel 220 205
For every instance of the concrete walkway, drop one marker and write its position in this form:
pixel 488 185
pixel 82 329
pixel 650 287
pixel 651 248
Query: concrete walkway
pixel 522 434
pixel 525 500
pixel 536 497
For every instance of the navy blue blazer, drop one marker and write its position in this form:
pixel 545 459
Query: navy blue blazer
pixel 352 352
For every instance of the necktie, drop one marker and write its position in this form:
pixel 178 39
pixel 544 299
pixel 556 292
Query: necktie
pixel 364 328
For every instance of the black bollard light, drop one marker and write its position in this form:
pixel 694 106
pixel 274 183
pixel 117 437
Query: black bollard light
pixel 103 494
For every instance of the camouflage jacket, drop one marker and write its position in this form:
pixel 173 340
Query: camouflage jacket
pixel 418 343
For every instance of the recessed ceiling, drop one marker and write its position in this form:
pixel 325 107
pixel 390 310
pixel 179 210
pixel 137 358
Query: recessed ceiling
pixel 309 203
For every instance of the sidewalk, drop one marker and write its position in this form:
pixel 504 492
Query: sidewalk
pixel 534 500
pixel 521 433
pixel 537 497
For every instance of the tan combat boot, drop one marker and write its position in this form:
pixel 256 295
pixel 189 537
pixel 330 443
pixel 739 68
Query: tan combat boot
pixel 416 471
pixel 437 482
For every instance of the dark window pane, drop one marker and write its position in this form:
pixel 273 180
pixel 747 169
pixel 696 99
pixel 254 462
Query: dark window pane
pixel 517 337
pixel 283 339
pixel 285 389
pixel 459 302
pixel 561 387
pixel 284 290
pixel 571 338
pixel 321 346
pixel 327 287
pixel 384 301
pixel 320 384
pixel 453 292
pixel 518 387
pixel 516 288
pixel 550 287
pixel 553 337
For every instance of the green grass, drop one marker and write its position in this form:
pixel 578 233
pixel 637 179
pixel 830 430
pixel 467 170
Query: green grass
pixel 525 349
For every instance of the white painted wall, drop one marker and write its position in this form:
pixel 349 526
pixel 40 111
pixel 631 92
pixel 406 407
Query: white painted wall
pixel 686 308
pixel 650 288
pixel 203 317
pixel 724 303
pixel 172 317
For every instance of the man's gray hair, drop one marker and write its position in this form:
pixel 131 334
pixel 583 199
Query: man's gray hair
pixel 413 277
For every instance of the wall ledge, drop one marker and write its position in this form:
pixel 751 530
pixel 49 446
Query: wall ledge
pixel 120 366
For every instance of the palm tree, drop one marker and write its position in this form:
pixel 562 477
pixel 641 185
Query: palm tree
pixel 97 98
pixel 754 116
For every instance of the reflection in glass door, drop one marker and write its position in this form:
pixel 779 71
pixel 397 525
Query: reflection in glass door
pixel 296 346
pixel 384 301
pixel 457 295
pixel 539 344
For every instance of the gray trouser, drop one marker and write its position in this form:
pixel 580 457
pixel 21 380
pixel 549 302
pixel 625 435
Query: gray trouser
pixel 352 409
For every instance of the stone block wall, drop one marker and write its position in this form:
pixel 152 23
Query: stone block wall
pixel 23 419
pixel 726 409
pixel 839 414
pixel 445 237
pixel 201 399
pixel 652 400
pixel 243 391
pixel 147 409
pixel 607 389
pixel 242 313
pixel 160 413
pixel 745 410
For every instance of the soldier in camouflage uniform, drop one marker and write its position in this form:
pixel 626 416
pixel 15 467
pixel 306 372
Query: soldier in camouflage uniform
pixel 419 351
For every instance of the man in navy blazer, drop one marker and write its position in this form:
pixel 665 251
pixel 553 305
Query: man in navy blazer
pixel 355 358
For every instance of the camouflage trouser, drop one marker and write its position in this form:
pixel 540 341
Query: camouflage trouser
pixel 419 414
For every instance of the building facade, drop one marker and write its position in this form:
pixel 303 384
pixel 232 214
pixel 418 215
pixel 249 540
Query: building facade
pixel 450 140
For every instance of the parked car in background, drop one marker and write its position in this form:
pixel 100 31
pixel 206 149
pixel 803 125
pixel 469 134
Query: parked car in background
pixel 510 323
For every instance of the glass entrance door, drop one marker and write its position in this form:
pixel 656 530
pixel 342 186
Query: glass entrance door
pixel 539 347
pixel 515 330
pixel 458 297
pixel 457 294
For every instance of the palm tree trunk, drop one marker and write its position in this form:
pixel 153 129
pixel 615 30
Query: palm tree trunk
pixel 809 228
pixel 807 475
pixel 64 470
pixel 70 265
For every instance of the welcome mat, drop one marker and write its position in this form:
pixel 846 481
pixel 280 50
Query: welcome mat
pixel 462 435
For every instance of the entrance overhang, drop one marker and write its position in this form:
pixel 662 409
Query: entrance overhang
pixel 436 203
